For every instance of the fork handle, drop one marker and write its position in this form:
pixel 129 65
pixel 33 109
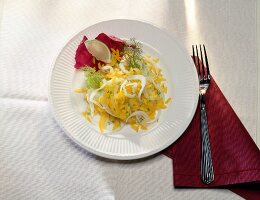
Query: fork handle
pixel 206 166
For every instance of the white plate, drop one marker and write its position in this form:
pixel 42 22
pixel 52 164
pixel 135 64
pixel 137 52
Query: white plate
pixel 182 85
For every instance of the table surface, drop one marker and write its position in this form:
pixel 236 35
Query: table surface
pixel 39 162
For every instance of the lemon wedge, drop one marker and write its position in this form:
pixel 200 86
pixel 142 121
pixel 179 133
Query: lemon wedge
pixel 99 50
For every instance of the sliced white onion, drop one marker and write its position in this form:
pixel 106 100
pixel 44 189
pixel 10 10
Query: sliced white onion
pixel 156 117
pixel 143 82
pixel 123 85
pixel 118 129
pixel 122 67
pixel 150 60
pixel 107 67
pixel 105 107
pixel 116 89
pixel 134 89
pixel 93 93
pixel 98 104
pixel 138 114
pixel 128 95
pixel 91 105
pixel 158 88
pixel 134 86
pixel 90 98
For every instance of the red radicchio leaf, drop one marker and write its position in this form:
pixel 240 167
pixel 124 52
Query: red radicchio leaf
pixel 84 58
pixel 111 41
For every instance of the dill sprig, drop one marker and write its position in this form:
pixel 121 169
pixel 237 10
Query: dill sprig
pixel 133 54
pixel 93 78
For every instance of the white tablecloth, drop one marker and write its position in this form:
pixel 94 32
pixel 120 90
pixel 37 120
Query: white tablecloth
pixel 37 160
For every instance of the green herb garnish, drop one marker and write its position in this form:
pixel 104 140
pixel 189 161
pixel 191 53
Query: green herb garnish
pixel 133 54
pixel 93 78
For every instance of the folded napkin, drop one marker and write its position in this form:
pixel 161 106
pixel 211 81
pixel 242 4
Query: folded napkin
pixel 236 158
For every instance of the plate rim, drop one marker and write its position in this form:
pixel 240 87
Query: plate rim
pixel 115 155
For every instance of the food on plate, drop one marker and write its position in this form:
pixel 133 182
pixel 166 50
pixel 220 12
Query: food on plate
pixel 123 86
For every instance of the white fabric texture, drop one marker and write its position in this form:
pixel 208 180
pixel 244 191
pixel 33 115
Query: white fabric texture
pixel 38 161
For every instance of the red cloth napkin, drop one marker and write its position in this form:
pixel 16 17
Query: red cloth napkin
pixel 236 158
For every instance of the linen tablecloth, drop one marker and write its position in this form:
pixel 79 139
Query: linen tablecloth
pixel 38 161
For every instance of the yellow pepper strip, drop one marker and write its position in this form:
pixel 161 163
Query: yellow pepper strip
pixel 143 127
pixel 116 124
pixel 103 121
pixel 95 111
pixel 135 127
pixel 99 66
pixel 113 60
pixel 81 90
pixel 86 116
pixel 164 88
pixel 168 100
pixel 113 50
pixel 156 60
pixel 116 53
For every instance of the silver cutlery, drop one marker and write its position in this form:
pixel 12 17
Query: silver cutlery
pixel 206 166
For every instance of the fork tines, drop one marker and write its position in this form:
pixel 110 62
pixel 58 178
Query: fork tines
pixel 203 70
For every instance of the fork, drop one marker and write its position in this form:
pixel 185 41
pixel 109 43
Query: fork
pixel 206 166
